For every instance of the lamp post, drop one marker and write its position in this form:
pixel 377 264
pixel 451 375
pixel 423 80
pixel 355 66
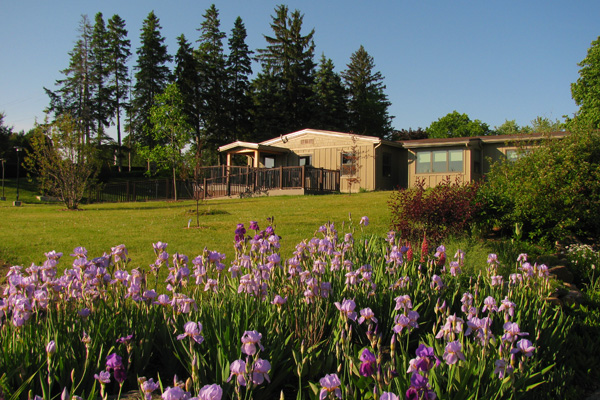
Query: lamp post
pixel 18 149
pixel 3 198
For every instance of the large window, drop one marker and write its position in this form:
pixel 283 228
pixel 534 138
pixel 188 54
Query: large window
pixel 513 155
pixel 269 162
pixel 439 161
pixel 348 163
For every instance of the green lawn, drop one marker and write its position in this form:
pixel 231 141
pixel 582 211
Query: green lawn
pixel 33 229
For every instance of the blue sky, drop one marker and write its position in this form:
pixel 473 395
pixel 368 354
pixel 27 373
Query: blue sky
pixel 493 60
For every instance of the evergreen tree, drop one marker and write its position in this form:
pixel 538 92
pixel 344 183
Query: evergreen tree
pixel 152 77
pixel 239 69
pixel 285 85
pixel 187 79
pixel 101 107
pixel 213 79
pixel 75 92
pixel 331 111
pixel 119 53
pixel 368 104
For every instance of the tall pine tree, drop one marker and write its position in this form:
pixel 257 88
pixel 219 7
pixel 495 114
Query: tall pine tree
pixel 284 88
pixel 101 107
pixel 331 102
pixel 187 79
pixel 152 77
pixel 119 53
pixel 75 92
pixel 213 79
pixel 368 104
pixel 239 69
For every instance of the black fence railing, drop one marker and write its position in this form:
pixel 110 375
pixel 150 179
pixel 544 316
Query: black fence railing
pixel 222 181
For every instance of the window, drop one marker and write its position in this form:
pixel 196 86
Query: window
pixel 348 164
pixel 269 162
pixel 516 154
pixel 386 167
pixel 304 161
pixel 439 161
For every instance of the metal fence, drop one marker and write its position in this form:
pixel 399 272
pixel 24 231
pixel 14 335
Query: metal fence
pixel 222 181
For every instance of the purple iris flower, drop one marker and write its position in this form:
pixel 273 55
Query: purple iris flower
pixel 192 330
pixel 364 221
pixel 330 383
pixel 210 392
pixel 524 346
pixel 388 396
pixel 453 353
pixel 114 361
pixel 148 387
pixel 250 339
pixel 103 377
pixel 347 308
pixel 175 393
pixel 367 366
pixel 254 226
pixel 240 231
pixel 238 369
pixel 366 314
pixel 260 371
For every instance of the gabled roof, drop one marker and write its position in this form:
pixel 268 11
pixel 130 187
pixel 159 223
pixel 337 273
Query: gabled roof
pixel 287 136
pixel 241 146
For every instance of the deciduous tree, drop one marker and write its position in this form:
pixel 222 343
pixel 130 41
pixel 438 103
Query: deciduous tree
pixel 455 124
pixel 586 91
pixel 65 166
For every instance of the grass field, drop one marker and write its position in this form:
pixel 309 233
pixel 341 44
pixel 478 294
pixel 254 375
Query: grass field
pixel 33 229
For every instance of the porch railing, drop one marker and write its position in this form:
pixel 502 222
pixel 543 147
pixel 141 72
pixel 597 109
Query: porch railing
pixel 246 180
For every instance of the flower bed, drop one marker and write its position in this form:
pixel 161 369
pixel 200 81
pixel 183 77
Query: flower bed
pixel 348 316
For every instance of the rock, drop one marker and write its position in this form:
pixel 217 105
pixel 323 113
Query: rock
pixel 562 273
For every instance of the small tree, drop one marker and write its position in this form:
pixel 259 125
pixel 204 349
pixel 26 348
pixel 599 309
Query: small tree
pixel 64 163
pixel 170 126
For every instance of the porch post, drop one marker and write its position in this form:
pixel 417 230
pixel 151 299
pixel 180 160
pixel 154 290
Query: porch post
pixel 280 177
pixel 256 155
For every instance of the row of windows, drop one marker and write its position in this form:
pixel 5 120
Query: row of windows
pixel 439 161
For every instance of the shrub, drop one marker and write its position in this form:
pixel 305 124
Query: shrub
pixel 444 210
pixel 552 191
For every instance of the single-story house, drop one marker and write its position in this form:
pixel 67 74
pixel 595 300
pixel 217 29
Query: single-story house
pixel 371 163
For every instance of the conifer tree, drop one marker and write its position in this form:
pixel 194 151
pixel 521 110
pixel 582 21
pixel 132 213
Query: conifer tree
pixel 152 77
pixel 331 103
pixel 285 85
pixel 239 69
pixel 368 104
pixel 101 107
pixel 187 79
pixel 213 81
pixel 119 53
pixel 75 92
pixel 586 91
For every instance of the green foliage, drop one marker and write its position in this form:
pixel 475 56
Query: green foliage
pixel 368 104
pixel 511 128
pixel 553 190
pixel 331 108
pixel 455 124
pixel 64 164
pixel 586 91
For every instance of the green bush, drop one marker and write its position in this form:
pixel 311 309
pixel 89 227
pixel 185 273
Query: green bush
pixel 552 191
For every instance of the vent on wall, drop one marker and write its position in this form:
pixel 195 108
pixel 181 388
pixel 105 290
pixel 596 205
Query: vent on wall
pixel 307 141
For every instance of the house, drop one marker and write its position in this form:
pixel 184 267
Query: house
pixel 365 162
pixel 314 160
pixel 467 159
